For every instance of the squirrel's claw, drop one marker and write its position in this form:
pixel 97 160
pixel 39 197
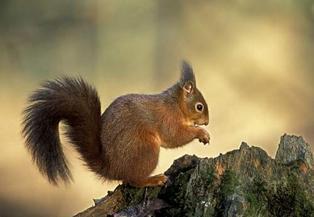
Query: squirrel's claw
pixel 205 141
pixel 204 138
pixel 162 179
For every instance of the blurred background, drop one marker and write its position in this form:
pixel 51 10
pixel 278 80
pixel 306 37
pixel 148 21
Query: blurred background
pixel 253 60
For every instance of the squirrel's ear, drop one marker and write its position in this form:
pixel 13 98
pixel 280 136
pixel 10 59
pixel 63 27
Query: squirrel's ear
pixel 187 80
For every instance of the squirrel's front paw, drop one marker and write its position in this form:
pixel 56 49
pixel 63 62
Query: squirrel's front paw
pixel 203 136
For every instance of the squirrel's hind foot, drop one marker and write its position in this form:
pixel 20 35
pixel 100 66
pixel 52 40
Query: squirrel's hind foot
pixel 158 180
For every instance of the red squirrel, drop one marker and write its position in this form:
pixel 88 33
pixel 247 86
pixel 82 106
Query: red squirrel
pixel 123 143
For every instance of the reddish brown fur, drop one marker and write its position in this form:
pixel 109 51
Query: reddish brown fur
pixel 138 125
pixel 124 143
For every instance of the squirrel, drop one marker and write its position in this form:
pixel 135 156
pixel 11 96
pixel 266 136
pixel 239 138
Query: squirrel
pixel 121 144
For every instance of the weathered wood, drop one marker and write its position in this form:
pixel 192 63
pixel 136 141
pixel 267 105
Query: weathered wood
pixel 243 182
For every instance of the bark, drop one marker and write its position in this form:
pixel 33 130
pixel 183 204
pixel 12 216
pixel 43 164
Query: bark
pixel 243 182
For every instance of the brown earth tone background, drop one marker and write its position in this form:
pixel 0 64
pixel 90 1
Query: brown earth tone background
pixel 253 60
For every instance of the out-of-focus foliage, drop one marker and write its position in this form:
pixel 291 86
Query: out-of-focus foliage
pixel 253 62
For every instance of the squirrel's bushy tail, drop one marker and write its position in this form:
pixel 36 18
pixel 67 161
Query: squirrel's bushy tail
pixel 77 104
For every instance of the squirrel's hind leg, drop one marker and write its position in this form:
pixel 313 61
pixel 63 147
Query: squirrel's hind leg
pixel 157 180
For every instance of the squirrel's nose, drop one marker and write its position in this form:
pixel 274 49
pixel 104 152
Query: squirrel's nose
pixel 206 123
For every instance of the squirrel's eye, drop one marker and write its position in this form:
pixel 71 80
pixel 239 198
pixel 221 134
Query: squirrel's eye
pixel 199 107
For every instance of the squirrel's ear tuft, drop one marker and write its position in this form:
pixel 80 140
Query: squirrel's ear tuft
pixel 187 72
pixel 187 80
